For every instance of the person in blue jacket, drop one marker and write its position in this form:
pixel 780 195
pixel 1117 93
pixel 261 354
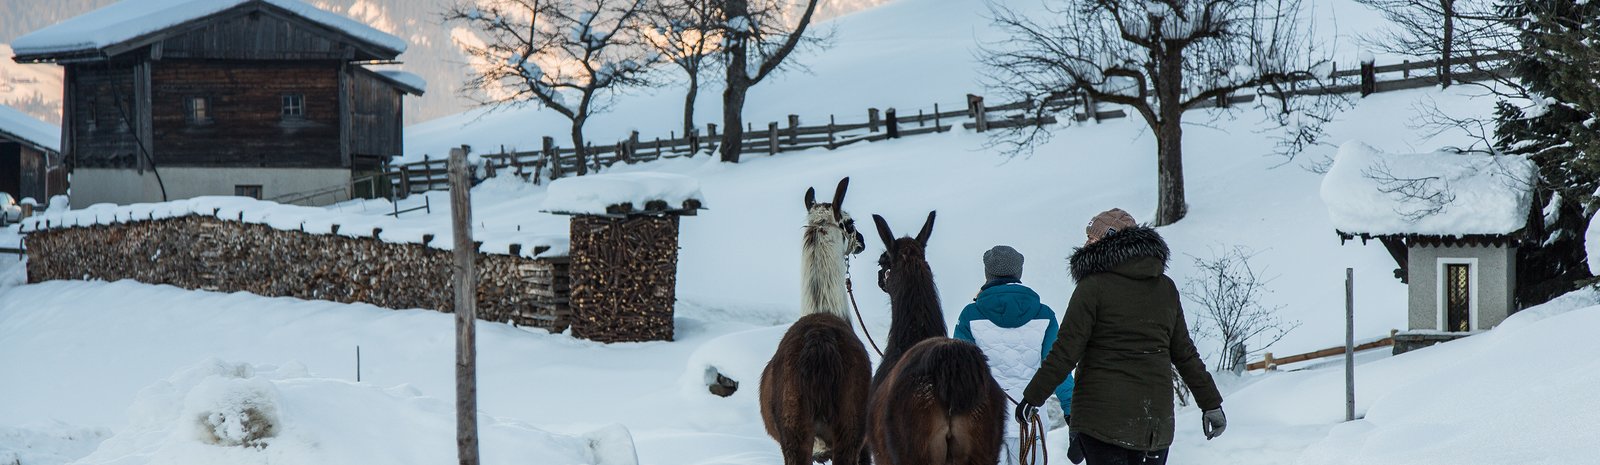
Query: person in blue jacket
pixel 1015 331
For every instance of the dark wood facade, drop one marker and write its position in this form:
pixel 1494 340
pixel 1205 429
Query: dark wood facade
pixel 26 171
pixel 276 90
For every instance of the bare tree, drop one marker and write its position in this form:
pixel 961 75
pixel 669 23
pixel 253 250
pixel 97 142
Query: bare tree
pixel 687 33
pixel 1229 292
pixel 571 56
pixel 1161 58
pixel 759 39
pixel 1442 29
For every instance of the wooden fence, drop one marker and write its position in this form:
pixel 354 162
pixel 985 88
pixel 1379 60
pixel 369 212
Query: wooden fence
pixel 775 138
pixel 1269 362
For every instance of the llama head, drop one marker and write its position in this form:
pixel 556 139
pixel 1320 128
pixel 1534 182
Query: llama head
pixel 830 218
pixel 904 253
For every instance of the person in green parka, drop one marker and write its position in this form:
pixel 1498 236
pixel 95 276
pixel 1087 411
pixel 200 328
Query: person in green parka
pixel 1124 331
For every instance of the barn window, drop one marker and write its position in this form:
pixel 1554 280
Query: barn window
pixel 294 106
pixel 247 190
pixel 199 110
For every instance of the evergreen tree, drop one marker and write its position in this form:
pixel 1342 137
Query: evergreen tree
pixel 1557 127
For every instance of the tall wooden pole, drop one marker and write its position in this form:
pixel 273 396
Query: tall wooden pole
pixel 466 287
pixel 1349 344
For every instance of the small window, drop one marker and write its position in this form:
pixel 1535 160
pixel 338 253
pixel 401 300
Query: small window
pixel 294 106
pixel 251 191
pixel 199 110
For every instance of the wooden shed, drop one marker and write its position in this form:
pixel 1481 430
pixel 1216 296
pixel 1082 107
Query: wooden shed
pixel 624 251
pixel 1452 222
pixel 172 99
pixel 30 161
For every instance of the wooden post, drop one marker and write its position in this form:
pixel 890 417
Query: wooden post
pixel 711 130
pixel 694 141
pixel 1091 110
pixel 892 124
pixel 772 138
pixel 980 115
pixel 1268 362
pixel 1349 344
pixel 551 157
pixel 405 181
pixel 466 302
pixel 633 146
pixel 1369 78
pixel 872 120
pixel 1405 71
pixel 830 132
pixel 936 115
pixel 920 122
pixel 794 129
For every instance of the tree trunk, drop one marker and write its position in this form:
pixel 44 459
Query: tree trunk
pixel 1170 205
pixel 738 83
pixel 579 150
pixel 1447 41
pixel 688 103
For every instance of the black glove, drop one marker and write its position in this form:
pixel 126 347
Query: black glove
pixel 1074 448
pixel 1213 422
pixel 1026 412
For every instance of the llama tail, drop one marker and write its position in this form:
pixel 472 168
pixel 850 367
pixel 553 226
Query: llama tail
pixel 957 371
pixel 822 367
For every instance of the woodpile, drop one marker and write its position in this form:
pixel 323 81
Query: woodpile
pixel 624 277
pixel 201 252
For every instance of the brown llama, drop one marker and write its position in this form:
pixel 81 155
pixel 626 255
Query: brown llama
pixel 814 390
pixel 933 400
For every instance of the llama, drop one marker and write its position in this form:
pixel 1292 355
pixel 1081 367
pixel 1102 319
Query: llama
pixel 814 390
pixel 933 399
pixel 830 238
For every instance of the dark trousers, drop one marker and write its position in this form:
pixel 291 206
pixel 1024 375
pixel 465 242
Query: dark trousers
pixel 1098 452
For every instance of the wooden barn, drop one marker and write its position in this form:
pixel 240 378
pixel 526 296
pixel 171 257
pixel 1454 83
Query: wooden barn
pixel 30 158
pixel 172 99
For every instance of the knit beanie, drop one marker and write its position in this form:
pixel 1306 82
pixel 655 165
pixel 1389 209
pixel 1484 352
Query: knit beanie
pixel 1002 262
pixel 1107 223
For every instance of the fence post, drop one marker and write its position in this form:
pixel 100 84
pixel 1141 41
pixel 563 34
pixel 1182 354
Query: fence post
pixel 711 130
pixel 936 115
pixel 694 141
pixel 405 181
pixel 551 157
pixel 466 303
pixel 830 132
pixel 872 120
pixel 1369 78
pixel 772 138
pixel 891 123
pixel 633 146
pixel 1405 71
pixel 1349 345
pixel 1091 109
pixel 978 112
pixel 488 168
pixel 794 129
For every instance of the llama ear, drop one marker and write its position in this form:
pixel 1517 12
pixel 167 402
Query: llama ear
pixel 927 229
pixel 811 198
pixel 883 232
pixel 838 193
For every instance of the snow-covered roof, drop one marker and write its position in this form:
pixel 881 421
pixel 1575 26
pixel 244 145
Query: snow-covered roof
pixel 1368 191
pixel 132 19
pixel 417 84
pixel 593 194
pixel 19 126
pixel 311 220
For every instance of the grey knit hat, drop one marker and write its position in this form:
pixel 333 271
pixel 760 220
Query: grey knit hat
pixel 1002 262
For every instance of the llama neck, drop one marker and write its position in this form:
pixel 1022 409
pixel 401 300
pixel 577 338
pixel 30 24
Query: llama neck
pixel 914 303
pixel 822 273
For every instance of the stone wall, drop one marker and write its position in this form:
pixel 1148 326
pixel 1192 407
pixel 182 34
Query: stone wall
pixel 203 252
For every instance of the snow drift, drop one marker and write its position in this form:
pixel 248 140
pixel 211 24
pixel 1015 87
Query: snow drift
pixel 219 412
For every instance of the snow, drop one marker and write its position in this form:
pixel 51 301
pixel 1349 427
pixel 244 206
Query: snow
pixel 405 77
pixel 1593 245
pixel 220 412
pixel 312 220
pixel 1441 193
pixel 17 124
pixel 129 19
pixel 593 193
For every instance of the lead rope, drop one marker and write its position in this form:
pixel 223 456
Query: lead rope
pixel 1032 437
pixel 850 289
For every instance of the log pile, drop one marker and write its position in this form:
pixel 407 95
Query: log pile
pixel 201 252
pixel 624 277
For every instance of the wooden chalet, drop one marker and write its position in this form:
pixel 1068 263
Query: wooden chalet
pixel 172 99
pixel 30 160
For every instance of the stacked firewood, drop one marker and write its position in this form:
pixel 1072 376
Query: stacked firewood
pixel 624 277
pixel 201 252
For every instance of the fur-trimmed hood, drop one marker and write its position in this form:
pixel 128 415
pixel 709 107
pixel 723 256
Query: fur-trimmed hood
pixel 1117 250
